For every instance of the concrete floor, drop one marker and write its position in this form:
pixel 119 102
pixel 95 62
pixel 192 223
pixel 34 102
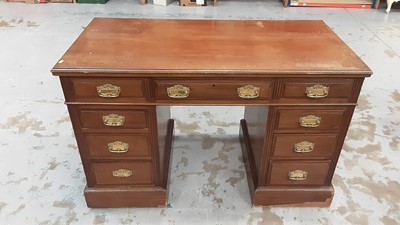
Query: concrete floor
pixel 40 170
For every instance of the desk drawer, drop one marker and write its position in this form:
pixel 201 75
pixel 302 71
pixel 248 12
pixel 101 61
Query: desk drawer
pixel 136 173
pixel 299 173
pixel 311 118
pixel 213 90
pixel 116 90
pixel 129 118
pixel 324 90
pixel 304 145
pixel 118 147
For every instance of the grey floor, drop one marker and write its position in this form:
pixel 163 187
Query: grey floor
pixel 41 178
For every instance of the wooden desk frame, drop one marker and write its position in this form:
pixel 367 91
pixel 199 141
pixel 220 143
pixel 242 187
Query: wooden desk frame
pixel 296 114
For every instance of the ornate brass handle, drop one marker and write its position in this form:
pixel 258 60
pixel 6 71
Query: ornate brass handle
pixel 122 173
pixel 113 120
pixel 108 91
pixel 310 121
pixel 297 175
pixel 178 91
pixel 248 91
pixel 317 91
pixel 118 147
pixel 303 147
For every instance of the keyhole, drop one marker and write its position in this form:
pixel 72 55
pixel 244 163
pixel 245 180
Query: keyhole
pixel 213 85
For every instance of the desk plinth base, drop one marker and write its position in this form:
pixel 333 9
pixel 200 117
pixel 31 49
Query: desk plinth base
pixel 293 197
pixel 125 197
pixel 279 196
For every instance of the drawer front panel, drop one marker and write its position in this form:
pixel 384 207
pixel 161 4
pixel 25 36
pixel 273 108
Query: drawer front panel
pixel 286 173
pixel 112 119
pixel 214 90
pixel 324 89
pixel 304 145
pixel 118 147
pixel 119 90
pixel 310 118
pixel 135 173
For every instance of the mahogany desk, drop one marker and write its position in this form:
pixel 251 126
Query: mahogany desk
pixel 298 81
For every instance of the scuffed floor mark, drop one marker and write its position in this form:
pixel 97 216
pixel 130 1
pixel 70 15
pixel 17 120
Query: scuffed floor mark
pixel 363 128
pixel 99 219
pixel 396 95
pixel 388 221
pixel 186 127
pixel 34 188
pixel 208 141
pixel 394 109
pixel 41 147
pixel 357 219
pixel 390 131
pixel 184 161
pixel 222 123
pixel 350 209
pixel 22 123
pixel 15 212
pixel 207 114
pixel 65 203
pixel 64 119
pixel 395 143
pixel 18 23
pixel 53 101
pixel 265 217
pixel 223 153
pixel 51 166
pixel 5 24
pixel 126 221
pixel 210 188
pixel 350 163
pixel 70 215
pixel 234 180
pixel 31 24
pixel 162 213
pixel 221 131
pixel 17 181
pixel 390 53
pixel 45 222
pixel 47 185
pixel 2 205
pixel 55 134
pixel 73 146
pixel 380 191
pixel 363 103
pixel 373 152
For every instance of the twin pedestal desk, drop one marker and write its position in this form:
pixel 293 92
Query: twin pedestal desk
pixel 298 81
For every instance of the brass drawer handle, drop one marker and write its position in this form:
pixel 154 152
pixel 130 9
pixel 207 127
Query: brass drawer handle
pixel 113 120
pixel 303 147
pixel 108 91
pixel 118 147
pixel 310 121
pixel 248 91
pixel 297 175
pixel 317 91
pixel 122 173
pixel 178 91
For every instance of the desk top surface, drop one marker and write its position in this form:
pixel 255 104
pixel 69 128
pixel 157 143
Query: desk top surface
pixel 154 46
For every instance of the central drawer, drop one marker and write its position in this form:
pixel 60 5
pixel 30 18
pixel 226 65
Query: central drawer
pixel 213 89
pixel 134 173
